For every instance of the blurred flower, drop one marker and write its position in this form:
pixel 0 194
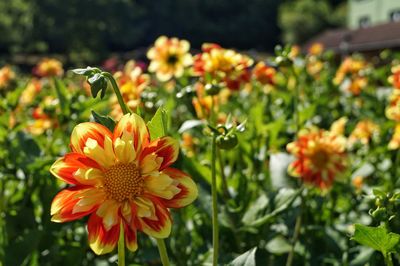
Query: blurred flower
pixel 320 157
pixel 358 182
pixel 28 95
pixel 294 51
pixel 393 109
pixel 122 180
pixel 314 66
pixel 222 65
pixel 131 82
pixel 363 132
pixel 49 67
pixel 264 74
pixel 41 122
pixel 169 57
pixel 338 126
pixel 202 102
pixel 394 79
pixel 394 143
pixel 6 76
pixel 316 49
pixel 188 144
pixel 350 67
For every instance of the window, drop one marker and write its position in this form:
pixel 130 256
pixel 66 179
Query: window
pixel 364 22
pixel 395 16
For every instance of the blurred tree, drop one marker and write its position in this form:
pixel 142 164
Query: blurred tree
pixel 302 19
pixel 88 30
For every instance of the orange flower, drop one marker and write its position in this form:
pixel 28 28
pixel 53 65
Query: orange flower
pixel 222 65
pixel 264 74
pixel 122 180
pixel 350 67
pixel 294 51
pixel 41 122
pixel 131 82
pixel 358 182
pixel 314 66
pixel 169 57
pixel 363 132
pixel 393 109
pixel 6 76
pixel 32 89
pixel 316 49
pixel 320 157
pixel 49 67
pixel 394 143
pixel 395 78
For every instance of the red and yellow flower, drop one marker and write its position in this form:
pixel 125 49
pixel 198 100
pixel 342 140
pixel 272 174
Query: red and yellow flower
pixel 6 76
pixel 394 79
pixel 394 143
pixel 320 157
pixel 264 74
pixel 40 123
pixel 363 132
pixel 49 67
pixel 352 70
pixel 393 109
pixel 131 82
pixel 169 57
pixel 121 179
pixel 222 65
pixel 28 95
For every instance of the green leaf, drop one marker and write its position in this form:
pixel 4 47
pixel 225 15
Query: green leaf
pixel 278 245
pixel 62 95
pixel 106 121
pixel 189 124
pixel 98 83
pixel 86 71
pixel 246 259
pixel 158 125
pixel 377 238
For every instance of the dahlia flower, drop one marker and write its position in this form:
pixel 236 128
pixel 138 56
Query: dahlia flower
pixel 320 157
pixel 120 179
pixel 169 57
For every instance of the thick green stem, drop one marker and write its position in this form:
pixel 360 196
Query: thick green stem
pixel 163 252
pixel 388 259
pixel 117 92
pixel 214 201
pixel 296 235
pixel 121 247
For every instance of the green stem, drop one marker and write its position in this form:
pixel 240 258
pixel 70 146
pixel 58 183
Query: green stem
pixel 214 201
pixel 296 100
pixel 296 233
pixel 117 92
pixel 395 168
pixel 224 181
pixel 121 247
pixel 163 252
pixel 388 259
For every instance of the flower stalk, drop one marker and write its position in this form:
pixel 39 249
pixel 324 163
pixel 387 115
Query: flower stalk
pixel 214 201
pixel 163 252
pixel 117 92
pixel 121 247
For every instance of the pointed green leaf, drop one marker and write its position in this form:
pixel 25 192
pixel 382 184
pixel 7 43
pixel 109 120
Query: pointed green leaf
pixel 377 238
pixel 106 121
pixel 246 259
pixel 158 125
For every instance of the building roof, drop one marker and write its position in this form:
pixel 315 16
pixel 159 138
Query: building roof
pixel 360 40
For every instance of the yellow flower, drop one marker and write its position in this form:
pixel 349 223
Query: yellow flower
pixel 316 49
pixel 131 82
pixel 363 132
pixel 6 76
pixel 314 66
pixel 49 67
pixel 394 143
pixel 338 126
pixel 120 179
pixel 169 57
pixel 41 122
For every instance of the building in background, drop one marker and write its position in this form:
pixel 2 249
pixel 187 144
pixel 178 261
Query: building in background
pixel 373 25
pixel 367 13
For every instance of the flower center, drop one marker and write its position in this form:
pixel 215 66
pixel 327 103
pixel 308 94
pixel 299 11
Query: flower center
pixel 320 158
pixel 172 59
pixel 123 181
